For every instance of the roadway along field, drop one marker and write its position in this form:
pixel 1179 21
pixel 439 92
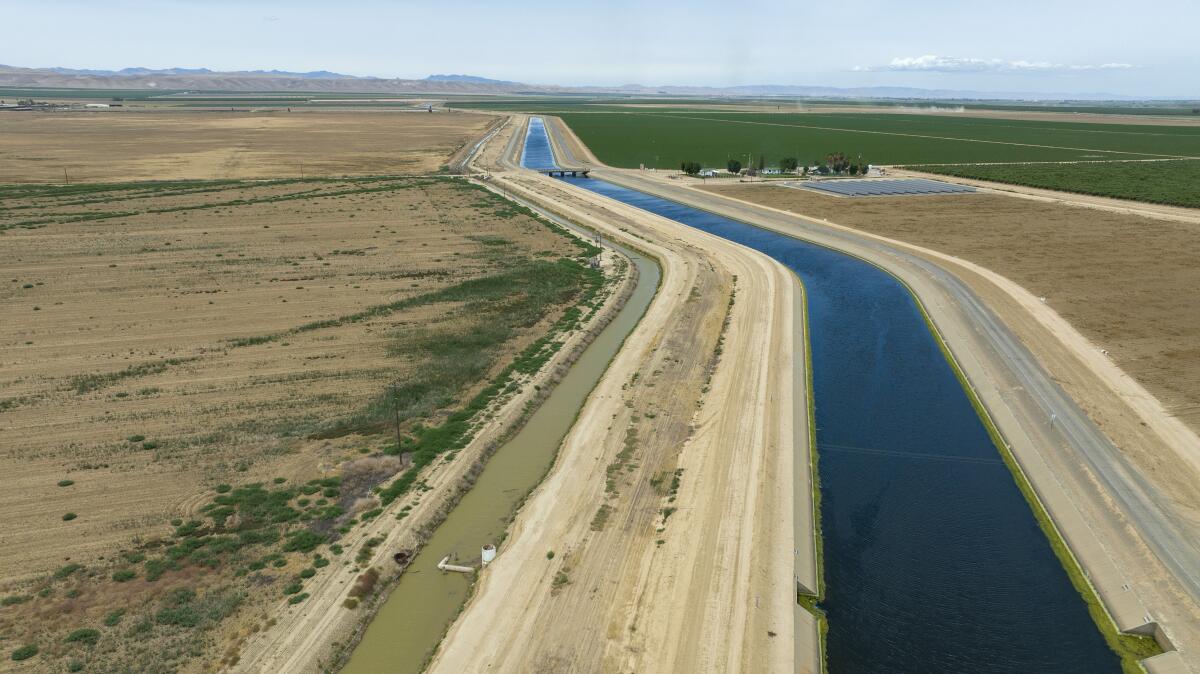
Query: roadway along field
pixel 168 346
pixel 1124 281
pixel 170 144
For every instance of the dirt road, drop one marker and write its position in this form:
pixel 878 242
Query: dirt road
pixel 664 538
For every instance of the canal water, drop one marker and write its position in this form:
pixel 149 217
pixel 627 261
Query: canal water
pixel 537 153
pixel 933 559
pixel 421 607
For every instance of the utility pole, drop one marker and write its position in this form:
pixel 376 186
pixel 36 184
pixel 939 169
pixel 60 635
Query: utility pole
pixel 395 391
pixel 66 179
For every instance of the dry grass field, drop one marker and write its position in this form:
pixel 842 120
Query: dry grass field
pixel 1127 282
pixel 171 145
pixel 164 340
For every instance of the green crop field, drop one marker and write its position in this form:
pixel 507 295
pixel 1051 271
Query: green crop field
pixel 1166 182
pixel 633 138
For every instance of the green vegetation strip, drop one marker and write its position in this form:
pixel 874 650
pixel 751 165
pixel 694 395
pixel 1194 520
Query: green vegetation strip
pixel 461 357
pixel 811 602
pixel 1160 182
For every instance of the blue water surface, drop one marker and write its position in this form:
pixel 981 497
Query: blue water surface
pixel 933 559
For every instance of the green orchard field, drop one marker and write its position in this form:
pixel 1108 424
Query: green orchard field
pixel 1175 183
pixel 630 139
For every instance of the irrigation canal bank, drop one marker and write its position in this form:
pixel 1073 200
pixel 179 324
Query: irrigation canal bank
pixel 420 608
pixel 934 562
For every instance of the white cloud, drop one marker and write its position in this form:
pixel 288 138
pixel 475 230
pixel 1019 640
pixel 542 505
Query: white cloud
pixel 952 64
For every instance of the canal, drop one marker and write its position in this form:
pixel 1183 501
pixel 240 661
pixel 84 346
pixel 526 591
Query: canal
pixel 933 560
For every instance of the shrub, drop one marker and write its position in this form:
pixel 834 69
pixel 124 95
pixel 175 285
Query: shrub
pixel 364 584
pixel 550 555
pixel 149 445
pixel 67 517
pixel 66 483
pixel 293 588
pixel 303 541
pixel 155 568
pixel 124 575
pixel 223 488
pixel 24 652
pixel 136 438
pixel 83 635
pixel 75 666
pixel 308 573
pixel 320 562
pixel 182 608
pixel 66 571
pixel 350 603
pixel 298 598
pixel 14 599
pixel 113 619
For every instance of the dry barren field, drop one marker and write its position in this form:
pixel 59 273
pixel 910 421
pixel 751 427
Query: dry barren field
pixel 1127 282
pixel 186 370
pixel 170 145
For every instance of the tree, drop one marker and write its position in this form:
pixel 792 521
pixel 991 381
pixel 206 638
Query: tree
pixel 788 164
pixel 734 166
pixel 761 162
pixel 805 172
pixel 690 167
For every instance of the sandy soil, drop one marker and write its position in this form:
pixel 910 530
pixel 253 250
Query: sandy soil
pixel 706 586
pixel 171 144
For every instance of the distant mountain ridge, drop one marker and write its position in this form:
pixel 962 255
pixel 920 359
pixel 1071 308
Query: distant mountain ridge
pixel 129 72
pixel 324 81
pixel 471 79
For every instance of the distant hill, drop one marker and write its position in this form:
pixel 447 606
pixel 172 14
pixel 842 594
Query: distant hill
pixel 470 79
pixel 130 72
pixel 324 81
pixel 203 79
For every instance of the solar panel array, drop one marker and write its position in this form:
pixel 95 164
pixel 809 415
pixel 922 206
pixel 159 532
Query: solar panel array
pixel 872 187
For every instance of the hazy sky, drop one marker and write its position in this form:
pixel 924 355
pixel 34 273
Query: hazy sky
pixel 1071 46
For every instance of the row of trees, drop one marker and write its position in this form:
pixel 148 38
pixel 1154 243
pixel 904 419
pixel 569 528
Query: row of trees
pixel 838 164
pixel 834 163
